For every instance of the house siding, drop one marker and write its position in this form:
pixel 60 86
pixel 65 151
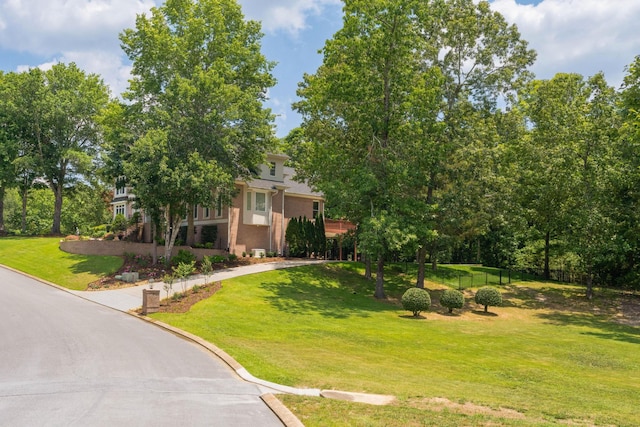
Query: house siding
pixel 240 231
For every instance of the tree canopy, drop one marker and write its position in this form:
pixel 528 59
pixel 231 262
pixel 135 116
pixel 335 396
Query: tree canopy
pixel 199 82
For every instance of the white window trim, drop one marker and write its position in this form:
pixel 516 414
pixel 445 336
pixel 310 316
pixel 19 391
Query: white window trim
pixel 120 208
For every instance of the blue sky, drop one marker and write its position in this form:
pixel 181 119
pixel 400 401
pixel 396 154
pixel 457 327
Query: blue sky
pixel 583 36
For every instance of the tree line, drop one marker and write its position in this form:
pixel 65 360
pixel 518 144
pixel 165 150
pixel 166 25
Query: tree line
pixel 424 126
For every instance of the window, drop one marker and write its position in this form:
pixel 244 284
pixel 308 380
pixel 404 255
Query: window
pixel 316 208
pixel 219 206
pixel 206 212
pixel 248 201
pixel 272 169
pixel 120 210
pixel 195 211
pixel 120 191
pixel 261 205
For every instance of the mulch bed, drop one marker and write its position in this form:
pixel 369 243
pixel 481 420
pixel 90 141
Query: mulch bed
pixel 183 303
pixel 158 271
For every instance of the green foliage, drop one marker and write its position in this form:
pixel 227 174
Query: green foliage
pixel 488 296
pixel 182 271
pixel 197 72
pixel 119 224
pixel 451 299
pixel 183 257
pixel 206 268
pixel 209 234
pixel 217 258
pixel 416 300
pixel 304 237
pixel 232 257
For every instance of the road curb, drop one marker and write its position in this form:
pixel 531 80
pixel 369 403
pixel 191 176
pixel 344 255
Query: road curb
pixel 279 409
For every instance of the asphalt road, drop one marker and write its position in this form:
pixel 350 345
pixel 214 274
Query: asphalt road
pixel 70 362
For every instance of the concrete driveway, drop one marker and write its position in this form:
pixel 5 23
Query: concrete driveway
pixel 69 362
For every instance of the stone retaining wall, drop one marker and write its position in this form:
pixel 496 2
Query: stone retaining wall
pixel 118 248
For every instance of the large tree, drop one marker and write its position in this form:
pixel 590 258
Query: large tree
pixel 56 112
pixel 353 110
pixel 404 87
pixel 563 165
pixel 198 87
pixel 8 146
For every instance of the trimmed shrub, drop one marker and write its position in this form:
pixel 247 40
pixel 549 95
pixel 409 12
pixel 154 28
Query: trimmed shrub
pixel 451 299
pixel 416 300
pixel 183 257
pixel 488 296
pixel 232 257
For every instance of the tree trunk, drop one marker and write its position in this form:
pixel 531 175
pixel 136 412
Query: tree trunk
pixel 547 243
pixel 171 233
pixel 2 191
pixel 434 258
pixel 191 236
pixel 57 209
pixel 367 267
pixel 380 279
pixel 422 255
pixel 23 224
pixel 589 284
pixel 154 240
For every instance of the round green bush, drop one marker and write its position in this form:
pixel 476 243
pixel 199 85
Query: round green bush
pixel 488 296
pixel 451 299
pixel 416 300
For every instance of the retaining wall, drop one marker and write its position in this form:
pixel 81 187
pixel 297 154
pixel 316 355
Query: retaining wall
pixel 118 248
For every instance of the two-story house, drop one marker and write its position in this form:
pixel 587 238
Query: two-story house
pixel 258 215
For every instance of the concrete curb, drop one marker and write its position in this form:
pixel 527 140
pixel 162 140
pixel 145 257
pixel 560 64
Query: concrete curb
pixel 282 412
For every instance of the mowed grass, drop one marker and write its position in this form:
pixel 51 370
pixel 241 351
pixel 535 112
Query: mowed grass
pixel 547 357
pixel 41 257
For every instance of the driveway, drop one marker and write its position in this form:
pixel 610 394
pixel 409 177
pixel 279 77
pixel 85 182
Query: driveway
pixel 70 362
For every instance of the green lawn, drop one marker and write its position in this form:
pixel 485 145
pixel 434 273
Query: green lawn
pixel 41 257
pixel 546 357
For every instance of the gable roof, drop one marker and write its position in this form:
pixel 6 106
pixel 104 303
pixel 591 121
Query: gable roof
pixel 290 187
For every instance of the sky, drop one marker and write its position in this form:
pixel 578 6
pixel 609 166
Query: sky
pixel 579 36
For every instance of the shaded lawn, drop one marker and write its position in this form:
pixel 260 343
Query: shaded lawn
pixel 318 326
pixel 42 257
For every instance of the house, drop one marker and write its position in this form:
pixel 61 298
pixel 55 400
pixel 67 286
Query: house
pixel 258 215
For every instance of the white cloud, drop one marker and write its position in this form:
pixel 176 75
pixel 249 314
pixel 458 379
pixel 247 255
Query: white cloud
pixel 48 27
pixel 284 15
pixel 582 36
pixel 108 66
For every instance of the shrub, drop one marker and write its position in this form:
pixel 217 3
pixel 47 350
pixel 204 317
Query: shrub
pixel 183 257
pixel 99 231
pixel 119 224
pixel 416 300
pixel 232 257
pixel 209 234
pixel 183 270
pixel 208 245
pixel 217 259
pixel 488 296
pixel 452 299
